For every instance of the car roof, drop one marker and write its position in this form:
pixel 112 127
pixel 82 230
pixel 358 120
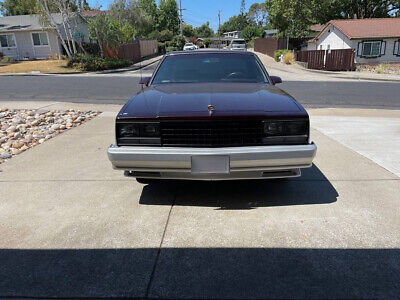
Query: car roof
pixel 216 51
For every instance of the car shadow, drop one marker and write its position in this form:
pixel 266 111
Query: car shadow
pixel 200 273
pixel 312 188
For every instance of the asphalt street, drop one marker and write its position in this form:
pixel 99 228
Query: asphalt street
pixel 117 88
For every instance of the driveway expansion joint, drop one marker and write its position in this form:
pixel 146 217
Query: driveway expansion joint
pixel 159 248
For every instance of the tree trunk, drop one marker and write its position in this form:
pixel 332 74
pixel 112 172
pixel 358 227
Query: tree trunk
pixel 100 44
pixel 46 10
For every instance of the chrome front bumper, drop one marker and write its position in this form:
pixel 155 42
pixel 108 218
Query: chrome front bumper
pixel 256 162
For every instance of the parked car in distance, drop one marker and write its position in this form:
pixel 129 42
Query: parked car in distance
pixel 237 44
pixel 189 46
pixel 211 115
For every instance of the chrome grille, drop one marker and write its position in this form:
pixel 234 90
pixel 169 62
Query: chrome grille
pixel 212 133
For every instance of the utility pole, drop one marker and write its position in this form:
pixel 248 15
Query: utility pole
pixel 219 27
pixel 180 17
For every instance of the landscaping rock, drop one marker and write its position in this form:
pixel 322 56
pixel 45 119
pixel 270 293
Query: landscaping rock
pixel 24 128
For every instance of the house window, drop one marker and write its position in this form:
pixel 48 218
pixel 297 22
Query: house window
pixel 40 39
pixel 7 40
pixel 371 49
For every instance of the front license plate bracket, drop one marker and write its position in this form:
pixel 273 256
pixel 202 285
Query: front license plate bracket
pixel 210 164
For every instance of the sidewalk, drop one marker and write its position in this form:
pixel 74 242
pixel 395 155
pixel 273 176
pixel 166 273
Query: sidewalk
pixel 136 66
pixel 296 69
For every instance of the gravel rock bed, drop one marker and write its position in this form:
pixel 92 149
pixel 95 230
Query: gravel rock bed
pixel 22 129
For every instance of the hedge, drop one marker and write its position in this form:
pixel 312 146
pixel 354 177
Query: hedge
pixel 96 63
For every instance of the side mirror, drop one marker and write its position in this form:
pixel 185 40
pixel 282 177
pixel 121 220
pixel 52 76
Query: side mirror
pixel 275 79
pixel 145 81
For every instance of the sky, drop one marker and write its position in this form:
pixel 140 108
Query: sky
pixel 197 12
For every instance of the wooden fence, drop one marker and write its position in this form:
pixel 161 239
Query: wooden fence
pixel 133 51
pixel 329 60
pixel 269 45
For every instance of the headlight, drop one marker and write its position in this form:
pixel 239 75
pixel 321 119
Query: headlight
pixel 150 129
pixel 129 130
pixel 285 128
pixel 138 134
pixel 273 128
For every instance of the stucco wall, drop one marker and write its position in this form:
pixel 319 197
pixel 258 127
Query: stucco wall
pixel 26 50
pixel 334 39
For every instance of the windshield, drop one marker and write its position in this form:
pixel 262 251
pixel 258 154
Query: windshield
pixel 214 67
pixel 189 44
pixel 239 42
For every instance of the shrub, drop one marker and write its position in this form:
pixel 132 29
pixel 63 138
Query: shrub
pixel 170 49
pixel 177 42
pixel 161 48
pixel 207 42
pixel 91 48
pixel 96 63
pixel 288 58
pixel 279 52
pixel 382 68
pixel 6 59
pixel 165 35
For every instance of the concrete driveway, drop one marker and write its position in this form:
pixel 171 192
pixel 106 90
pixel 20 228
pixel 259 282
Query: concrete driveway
pixel 70 226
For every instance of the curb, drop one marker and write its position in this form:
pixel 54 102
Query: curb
pixel 141 66
pixel 334 75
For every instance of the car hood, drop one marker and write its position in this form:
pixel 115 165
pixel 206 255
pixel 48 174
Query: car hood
pixel 228 99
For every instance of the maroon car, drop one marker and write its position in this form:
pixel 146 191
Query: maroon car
pixel 211 115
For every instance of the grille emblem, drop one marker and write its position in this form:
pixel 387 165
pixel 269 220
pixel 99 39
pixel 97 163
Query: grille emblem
pixel 210 109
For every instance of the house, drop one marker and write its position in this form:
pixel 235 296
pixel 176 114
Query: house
pixel 25 37
pixel 233 34
pixel 269 32
pixel 374 40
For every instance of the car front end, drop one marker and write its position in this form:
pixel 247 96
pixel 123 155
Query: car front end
pixel 211 130
pixel 212 149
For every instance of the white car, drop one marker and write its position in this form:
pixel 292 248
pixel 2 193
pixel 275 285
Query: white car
pixel 189 46
pixel 237 44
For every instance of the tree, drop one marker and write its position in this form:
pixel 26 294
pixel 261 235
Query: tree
pixel 243 7
pixel 204 31
pixel 369 8
pixel 110 32
pixel 168 16
pixel 293 17
pixel 18 7
pixel 238 22
pixel 257 14
pixel 166 35
pixel 251 32
pixel 188 30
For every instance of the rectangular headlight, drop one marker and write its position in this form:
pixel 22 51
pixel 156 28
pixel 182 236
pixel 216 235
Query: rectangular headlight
pixel 285 128
pixel 147 133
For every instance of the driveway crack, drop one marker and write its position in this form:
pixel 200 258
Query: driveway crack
pixel 159 248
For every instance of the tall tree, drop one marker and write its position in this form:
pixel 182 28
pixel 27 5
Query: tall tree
pixel 243 7
pixel 204 31
pixel 258 14
pixel 168 16
pixel 370 8
pixel 188 30
pixel 18 7
pixel 238 22
pixel 133 13
pixel 293 17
